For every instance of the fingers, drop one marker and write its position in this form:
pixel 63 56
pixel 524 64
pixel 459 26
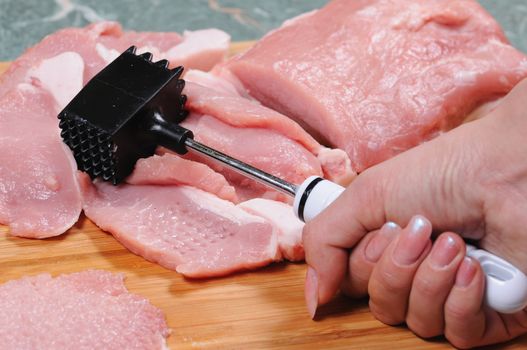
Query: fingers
pixel 465 321
pixel 468 322
pixel 431 286
pixel 328 237
pixel 391 279
pixel 364 257
pixel 422 180
pixel 427 179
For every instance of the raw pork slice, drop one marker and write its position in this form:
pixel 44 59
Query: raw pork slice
pixel 100 43
pixel 200 49
pixel 261 137
pixel 378 77
pixel 85 310
pixel 39 194
pixel 182 228
pixel 288 225
pixel 216 82
pixel 170 169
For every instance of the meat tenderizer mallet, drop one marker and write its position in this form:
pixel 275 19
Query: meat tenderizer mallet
pixel 134 105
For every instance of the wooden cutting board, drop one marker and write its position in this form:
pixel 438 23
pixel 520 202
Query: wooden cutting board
pixel 262 309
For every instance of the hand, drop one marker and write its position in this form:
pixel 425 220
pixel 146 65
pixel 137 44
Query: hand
pixel 472 180
pixel 435 290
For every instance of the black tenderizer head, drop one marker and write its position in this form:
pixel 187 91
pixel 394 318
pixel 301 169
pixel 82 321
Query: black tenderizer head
pixel 123 114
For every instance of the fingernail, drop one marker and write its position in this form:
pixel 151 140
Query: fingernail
pixel 378 244
pixel 444 251
pixel 466 273
pixel 412 241
pixel 311 291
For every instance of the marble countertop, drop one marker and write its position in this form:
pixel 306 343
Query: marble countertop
pixel 25 22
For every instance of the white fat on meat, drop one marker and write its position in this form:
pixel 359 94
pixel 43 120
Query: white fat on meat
pixel 39 193
pixel 212 81
pixel 182 228
pixel 376 78
pixel 108 55
pixel 99 43
pixel 61 75
pixel 200 49
pixel 84 310
pixel 289 227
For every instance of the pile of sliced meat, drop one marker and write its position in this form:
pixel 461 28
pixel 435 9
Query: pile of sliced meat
pixel 185 214
pixel 373 78
pixel 84 310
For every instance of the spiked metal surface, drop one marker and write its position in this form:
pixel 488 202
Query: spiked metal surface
pixel 106 125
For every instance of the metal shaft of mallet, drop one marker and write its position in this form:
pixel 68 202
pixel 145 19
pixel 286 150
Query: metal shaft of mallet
pixel 243 168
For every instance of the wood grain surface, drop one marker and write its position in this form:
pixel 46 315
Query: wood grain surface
pixel 261 309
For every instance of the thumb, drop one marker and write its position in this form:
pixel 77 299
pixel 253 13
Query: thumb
pixel 425 180
pixel 328 237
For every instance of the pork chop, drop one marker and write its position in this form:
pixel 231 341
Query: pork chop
pixel 378 77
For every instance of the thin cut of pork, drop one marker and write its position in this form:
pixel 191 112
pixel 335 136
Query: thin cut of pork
pixel 170 169
pixel 282 217
pixel 377 77
pixel 261 137
pixel 100 43
pixel 39 193
pixel 85 310
pixel 182 228
pixel 200 49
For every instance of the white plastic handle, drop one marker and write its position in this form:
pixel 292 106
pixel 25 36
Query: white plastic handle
pixel 506 286
pixel 313 196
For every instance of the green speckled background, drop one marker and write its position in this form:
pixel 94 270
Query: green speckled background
pixel 25 22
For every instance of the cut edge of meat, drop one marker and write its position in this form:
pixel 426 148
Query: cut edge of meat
pixel 169 169
pixel 42 226
pixel 282 216
pixel 228 107
pixel 200 49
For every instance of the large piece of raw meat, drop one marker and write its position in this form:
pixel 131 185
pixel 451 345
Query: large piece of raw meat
pixel 377 77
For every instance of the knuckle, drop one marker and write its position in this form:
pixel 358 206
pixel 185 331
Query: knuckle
pixel 391 282
pixel 382 314
pixel 422 329
pixel 457 311
pixel 427 288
